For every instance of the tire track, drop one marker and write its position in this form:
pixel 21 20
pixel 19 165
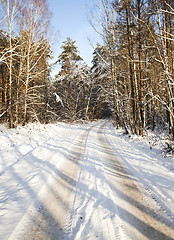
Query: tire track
pixel 92 208
pixel 45 218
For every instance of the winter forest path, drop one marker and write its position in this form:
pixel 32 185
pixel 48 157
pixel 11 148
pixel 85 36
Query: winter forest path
pixel 95 196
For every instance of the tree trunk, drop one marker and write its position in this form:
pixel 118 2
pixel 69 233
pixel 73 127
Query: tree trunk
pixel 27 83
pixel 10 20
pixel 1 77
pixel 141 105
pixel 130 53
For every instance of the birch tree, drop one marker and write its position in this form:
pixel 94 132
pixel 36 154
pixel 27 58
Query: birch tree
pixel 25 24
pixel 11 9
pixel 34 26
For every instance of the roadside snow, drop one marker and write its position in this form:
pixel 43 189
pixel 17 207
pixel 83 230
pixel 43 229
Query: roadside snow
pixel 144 158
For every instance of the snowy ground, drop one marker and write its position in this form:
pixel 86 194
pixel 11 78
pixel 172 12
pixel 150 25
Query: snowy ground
pixel 83 182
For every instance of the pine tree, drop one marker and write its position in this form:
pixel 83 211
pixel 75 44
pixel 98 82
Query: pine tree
pixel 68 60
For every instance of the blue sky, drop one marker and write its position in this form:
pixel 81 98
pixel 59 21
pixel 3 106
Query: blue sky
pixel 70 18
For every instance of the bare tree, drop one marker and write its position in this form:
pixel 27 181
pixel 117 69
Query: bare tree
pixel 10 11
pixel 34 26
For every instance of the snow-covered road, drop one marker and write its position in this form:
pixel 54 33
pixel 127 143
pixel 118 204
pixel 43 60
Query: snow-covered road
pixel 84 182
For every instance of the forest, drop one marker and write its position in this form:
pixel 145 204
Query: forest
pixel 132 75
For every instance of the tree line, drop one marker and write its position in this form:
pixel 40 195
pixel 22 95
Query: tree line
pixel 132 73
pixel 24 54
pixel 138 55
